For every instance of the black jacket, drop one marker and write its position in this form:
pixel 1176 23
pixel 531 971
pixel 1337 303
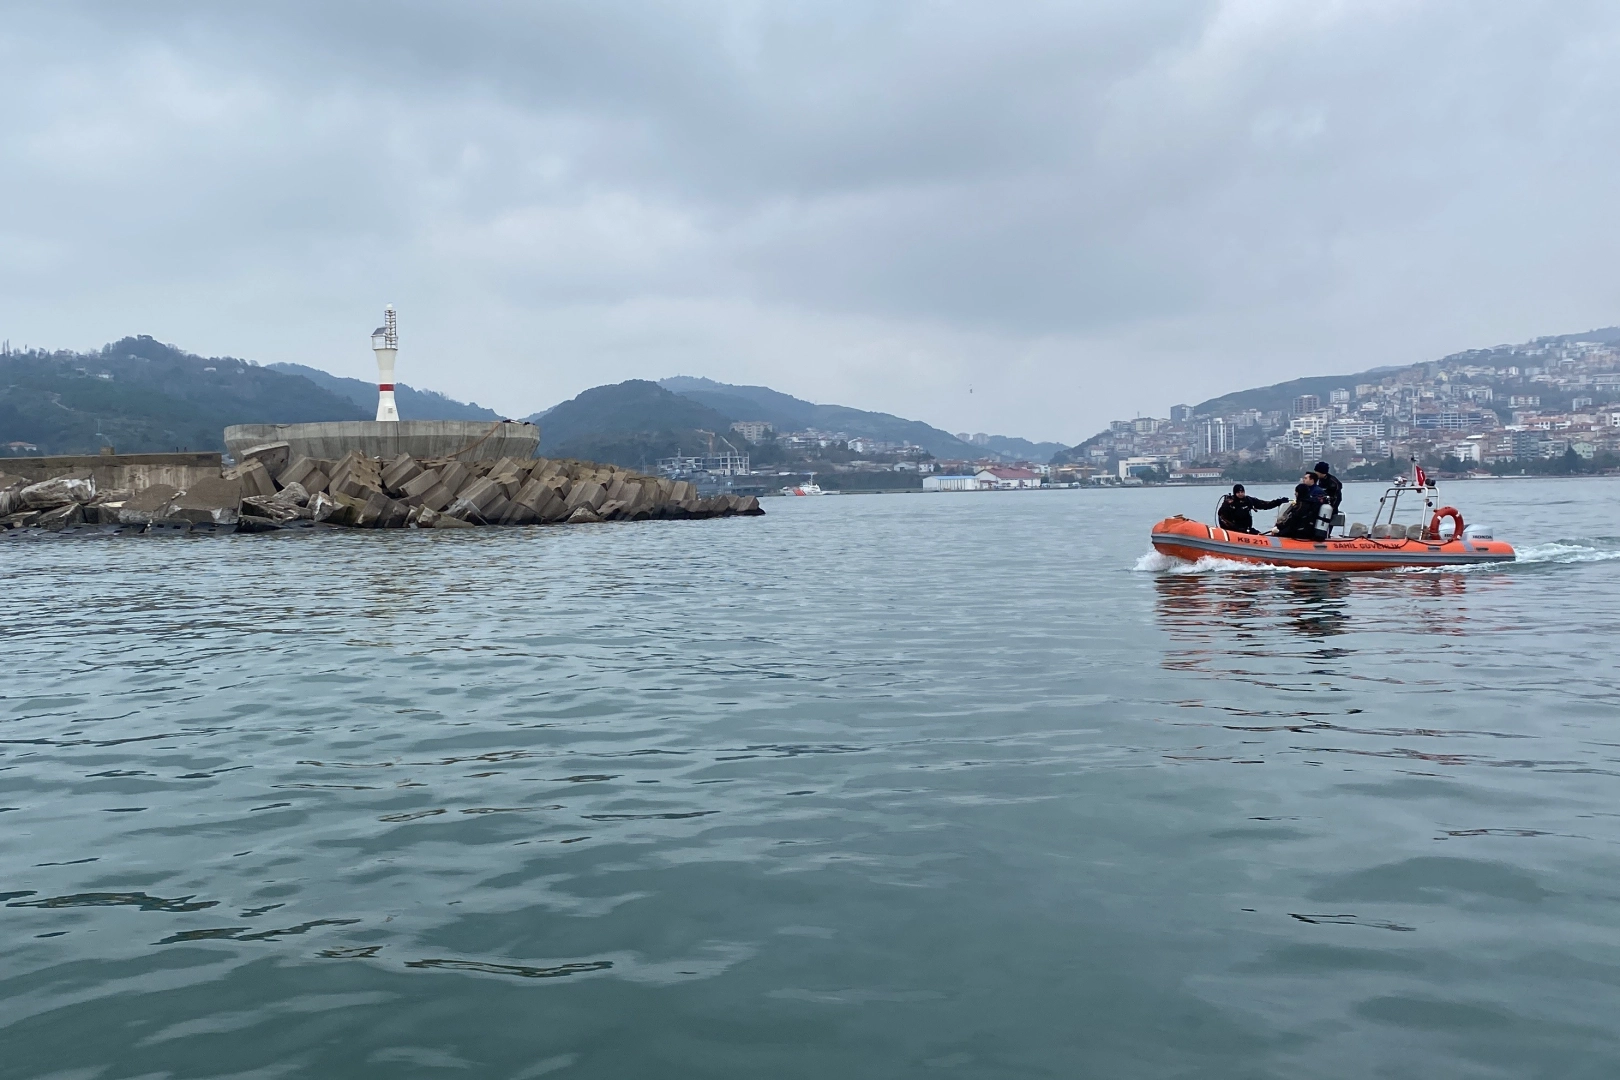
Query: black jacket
pixel 1300 521
pixel 1236 512
pixel 1334 489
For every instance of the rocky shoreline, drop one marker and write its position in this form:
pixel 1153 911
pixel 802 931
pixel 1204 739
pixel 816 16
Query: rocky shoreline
pixel 270 491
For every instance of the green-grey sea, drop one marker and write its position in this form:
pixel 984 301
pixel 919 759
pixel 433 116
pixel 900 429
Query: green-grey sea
pixel 873 786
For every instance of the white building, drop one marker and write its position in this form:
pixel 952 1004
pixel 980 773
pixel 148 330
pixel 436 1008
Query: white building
pixel 950 483
pixel 1130 466
pixel 1216 437
pixel 752 430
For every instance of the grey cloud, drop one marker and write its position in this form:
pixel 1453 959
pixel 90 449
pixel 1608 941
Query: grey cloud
pixel 1079 210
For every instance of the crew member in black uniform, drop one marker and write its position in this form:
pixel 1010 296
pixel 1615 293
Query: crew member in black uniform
pixel 1236 512
pixel 1331 485
pixel 1299 521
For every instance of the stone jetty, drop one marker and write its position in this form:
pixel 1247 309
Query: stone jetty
pixel 272 489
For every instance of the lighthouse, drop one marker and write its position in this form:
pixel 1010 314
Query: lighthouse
pixel 385 343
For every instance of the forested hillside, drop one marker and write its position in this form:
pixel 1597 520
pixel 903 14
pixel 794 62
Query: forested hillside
pixel 413 404
pixel 788 413
pixel 140 395
pixel 632 423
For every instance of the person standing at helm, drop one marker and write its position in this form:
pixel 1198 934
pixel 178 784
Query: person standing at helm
pixel 1331 485
pixel 1236 512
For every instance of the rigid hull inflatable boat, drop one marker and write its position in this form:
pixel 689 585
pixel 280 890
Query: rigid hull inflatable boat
pixel 1386 545
pixel 1184 538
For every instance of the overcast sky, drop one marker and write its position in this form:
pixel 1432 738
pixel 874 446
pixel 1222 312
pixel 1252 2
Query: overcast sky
pixel 1018 218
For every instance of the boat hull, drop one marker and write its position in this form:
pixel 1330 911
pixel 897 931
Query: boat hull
pixel 1183 538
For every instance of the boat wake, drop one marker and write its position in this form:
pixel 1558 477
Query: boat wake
pixel 1603 549
pixel 1156 562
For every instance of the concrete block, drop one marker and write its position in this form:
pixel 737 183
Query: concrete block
pixel 255 478
pixel 267 508
pixel 455 476
pixel 496 509
pixel 346 483
pixel 145 504
pixel 587 493
pixel 554 510
pixel 400 472
pixel 477 496
pixel 273 456
pixel 508 482
pixel 612 510
pixel 357 468
pixel 630 495
pixel 321 506
pixel 583 515
pixel 614 487
pixel 354 459
pixel 61 517
pixel 347 511
pixel 519 514
pixel 381 512
pixel 438 498
pixel 445 521
pixel 292 495
pixel 530 493
pixel 295 471
pixel 211 493
pixel 60 491
pixel 415 491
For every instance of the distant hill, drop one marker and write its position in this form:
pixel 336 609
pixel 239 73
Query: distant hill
pixel 1022 449
pixel 787 413
pixel 413 404
pixel 631 423
pixel 140 395
pixel 1281 395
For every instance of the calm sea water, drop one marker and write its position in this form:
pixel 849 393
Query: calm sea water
pixel 869 787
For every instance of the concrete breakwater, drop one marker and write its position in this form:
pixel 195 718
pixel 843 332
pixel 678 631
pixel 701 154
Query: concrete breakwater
pixel 469 440
pixel 113 472
pixel 273 489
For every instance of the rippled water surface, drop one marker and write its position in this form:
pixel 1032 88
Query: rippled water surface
pixel 868 787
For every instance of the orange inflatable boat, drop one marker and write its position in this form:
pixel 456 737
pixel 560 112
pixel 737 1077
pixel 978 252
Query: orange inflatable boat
pixel 1387 545
pixel 1184 538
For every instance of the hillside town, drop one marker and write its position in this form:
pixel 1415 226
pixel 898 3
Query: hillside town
pixel 1507 409
pixel 756 457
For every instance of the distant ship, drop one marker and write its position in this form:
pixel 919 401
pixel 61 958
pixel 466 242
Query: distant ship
pixel 809 487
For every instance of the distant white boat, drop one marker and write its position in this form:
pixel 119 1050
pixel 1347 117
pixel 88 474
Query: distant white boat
pixel 809 487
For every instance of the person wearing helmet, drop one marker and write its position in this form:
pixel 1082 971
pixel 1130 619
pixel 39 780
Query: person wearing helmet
pixel 1236 511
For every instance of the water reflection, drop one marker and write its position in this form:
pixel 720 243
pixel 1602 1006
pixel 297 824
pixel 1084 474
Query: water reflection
pixel 1242 609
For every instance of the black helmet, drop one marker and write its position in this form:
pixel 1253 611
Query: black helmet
pixel 1237 489
pixel 1322 467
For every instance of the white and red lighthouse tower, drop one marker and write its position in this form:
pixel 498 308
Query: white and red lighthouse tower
pixel 385 343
